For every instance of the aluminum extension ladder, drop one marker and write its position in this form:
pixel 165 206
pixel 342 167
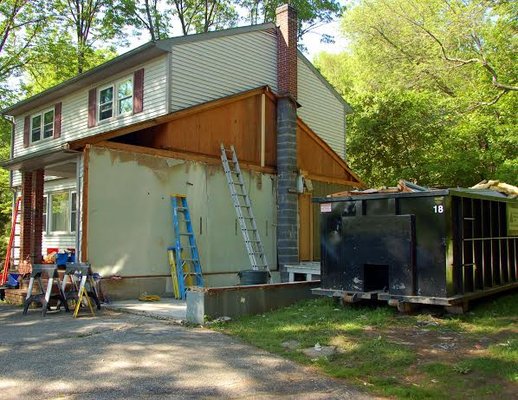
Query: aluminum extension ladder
pixel 186 264
pixel 243 207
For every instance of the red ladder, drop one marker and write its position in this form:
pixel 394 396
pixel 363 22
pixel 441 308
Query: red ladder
pixel 7 264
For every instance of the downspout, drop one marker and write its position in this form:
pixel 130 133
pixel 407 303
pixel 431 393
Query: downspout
pixel 10 119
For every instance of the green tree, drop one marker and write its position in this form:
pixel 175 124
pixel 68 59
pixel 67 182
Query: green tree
pixel 85 22
pixel 151 16
pixel 311 14
pixel 54 60
pixel 21 22
pixel 204 15
pixel 433 86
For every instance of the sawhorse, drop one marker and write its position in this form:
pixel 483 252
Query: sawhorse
pixel 51 272
pixel 83 272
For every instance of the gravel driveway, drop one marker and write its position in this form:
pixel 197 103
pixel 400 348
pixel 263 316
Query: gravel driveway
pixel 122 356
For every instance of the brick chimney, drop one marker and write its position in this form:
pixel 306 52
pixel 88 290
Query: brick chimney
pixel 287 50
pixel 287 197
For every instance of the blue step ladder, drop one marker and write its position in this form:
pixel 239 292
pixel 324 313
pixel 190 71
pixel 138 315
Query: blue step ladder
pixel 186 256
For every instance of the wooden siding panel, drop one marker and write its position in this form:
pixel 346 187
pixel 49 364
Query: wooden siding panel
pixel 74 123
pixel 306 231
pixel 211 69
pixel 321 110
pixel 271 133
pixel 237 124
pixel 318 162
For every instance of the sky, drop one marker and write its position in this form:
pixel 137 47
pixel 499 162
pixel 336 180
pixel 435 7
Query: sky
pixel 312 40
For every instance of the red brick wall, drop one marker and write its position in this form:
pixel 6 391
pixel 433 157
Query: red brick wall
pixel 32 216
pixel 37 201
pixel 287 50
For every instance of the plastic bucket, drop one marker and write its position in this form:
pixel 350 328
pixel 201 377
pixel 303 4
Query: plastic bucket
pixel 252 277
pixel 12 280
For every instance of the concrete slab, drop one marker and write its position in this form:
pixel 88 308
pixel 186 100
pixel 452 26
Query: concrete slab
pixel 166 309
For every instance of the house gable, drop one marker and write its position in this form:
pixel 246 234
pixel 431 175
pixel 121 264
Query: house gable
pixel 318 161
pixel 188 72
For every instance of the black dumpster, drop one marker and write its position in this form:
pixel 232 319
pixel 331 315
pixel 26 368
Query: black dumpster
pixel 441 247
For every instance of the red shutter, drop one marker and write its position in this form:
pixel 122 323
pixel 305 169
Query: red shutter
pixel 26 130
pixel 57 120
pixel 138 91
pixel 92 107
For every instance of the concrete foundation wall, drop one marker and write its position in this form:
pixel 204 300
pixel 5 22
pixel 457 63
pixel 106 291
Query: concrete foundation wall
pixel 130 219
pixel 244 300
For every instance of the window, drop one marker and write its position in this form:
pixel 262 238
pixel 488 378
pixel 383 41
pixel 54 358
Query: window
pixel 42 126
pixel 125 96
pixel 60 211
pixel 73 212
pixel 106 103
pixel 116 99
pixel 61 216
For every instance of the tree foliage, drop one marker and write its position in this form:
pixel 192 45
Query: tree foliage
pixel 311 14
pixel 433 85
pixel 153 17
pixel 21 22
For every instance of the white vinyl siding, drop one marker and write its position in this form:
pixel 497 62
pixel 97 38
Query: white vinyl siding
pixel 17 179
pixel 74 120
pixel 321 110
pixel 210 69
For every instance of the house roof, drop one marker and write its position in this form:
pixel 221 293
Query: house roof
pixel 120 63
pixel 139 55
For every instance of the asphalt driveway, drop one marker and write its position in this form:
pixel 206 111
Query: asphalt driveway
pixel 121 356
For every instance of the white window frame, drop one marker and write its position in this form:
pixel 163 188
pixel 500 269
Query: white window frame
pixel 73 218
pixel 41 114
pixel 68 231
pixel 99 105
pixel 131 97
pixel 45 213
pixel 116 112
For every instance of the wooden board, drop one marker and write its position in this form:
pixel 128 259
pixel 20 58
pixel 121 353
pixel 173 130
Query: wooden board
pixel 237 123
pixel 320 161
pixel 306 227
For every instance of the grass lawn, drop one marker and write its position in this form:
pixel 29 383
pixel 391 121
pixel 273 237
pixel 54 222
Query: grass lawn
pixel 429 355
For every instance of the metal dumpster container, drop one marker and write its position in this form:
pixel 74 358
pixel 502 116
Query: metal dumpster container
pixel 441 247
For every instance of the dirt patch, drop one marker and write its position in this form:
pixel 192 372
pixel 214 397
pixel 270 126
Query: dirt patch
pixel 455 351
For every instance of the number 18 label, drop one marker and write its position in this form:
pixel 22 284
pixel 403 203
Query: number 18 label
pixel 438 209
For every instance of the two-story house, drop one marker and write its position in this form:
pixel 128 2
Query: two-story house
pixel 96 158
